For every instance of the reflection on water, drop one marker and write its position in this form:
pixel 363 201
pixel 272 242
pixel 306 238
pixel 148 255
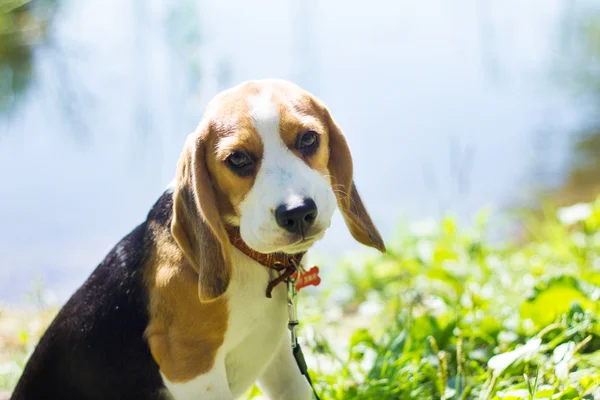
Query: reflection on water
pixel 442 105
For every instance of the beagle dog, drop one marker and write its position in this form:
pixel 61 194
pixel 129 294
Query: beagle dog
pixel 187 305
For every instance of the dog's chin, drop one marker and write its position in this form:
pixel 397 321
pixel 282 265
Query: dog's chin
pixel 289 245
pixel 297 247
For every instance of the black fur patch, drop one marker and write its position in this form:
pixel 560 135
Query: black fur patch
pixel 95 347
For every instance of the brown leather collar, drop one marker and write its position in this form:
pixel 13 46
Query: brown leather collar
pixel 285 264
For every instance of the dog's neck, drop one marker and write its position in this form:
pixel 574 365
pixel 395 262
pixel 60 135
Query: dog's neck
pixel 285 264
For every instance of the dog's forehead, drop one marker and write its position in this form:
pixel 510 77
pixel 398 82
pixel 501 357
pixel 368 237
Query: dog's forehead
pixel 259 103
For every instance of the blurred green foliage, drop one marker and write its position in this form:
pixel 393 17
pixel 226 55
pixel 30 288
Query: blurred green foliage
pixel 20 331
pixel 459 318
pixel 577 71
pixel 24 25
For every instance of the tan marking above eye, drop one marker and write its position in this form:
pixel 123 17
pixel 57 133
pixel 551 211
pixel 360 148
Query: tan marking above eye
pixel 231 187
pixel 289 133
pixel 301 117
pixel 248 142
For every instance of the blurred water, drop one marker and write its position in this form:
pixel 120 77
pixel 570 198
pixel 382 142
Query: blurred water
pixel 445 105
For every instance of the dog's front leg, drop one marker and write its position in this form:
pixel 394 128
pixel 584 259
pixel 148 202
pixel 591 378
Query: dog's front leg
pixel 211 385
pixel 282 378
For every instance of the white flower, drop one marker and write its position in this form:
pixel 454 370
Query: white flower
pixel 562 356
pixel 563 352
pixel 500 362
pixel 575 213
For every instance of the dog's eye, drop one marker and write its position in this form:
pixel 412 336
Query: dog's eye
pixel 239 160
pixel 307 142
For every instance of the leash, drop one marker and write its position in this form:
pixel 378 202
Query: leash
pixel 292 325
pixel 289 270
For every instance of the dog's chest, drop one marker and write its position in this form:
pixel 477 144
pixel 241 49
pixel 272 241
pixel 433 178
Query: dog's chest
pixel 256 324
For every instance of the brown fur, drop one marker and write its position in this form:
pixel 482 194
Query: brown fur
pixel 190 269
pixel 227 138
pixel 355 214
pixel 301 111
pixel 184 333
pixel 194 209
pixel 297 115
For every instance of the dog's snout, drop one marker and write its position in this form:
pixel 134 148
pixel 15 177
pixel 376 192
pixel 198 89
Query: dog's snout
pixel 297 218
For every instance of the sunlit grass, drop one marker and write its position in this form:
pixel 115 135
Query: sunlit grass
pixel 19 332
pixel 447 315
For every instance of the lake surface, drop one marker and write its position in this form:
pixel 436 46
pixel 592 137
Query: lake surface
pixel 446 105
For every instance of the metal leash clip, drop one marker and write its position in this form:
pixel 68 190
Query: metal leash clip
pixel 293 324
pixel 292 294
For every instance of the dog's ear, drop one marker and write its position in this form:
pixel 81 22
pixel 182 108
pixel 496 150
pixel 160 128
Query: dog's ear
pixel 197 226
pixel 340 167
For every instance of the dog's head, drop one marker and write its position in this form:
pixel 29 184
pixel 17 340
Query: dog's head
pixel 267 158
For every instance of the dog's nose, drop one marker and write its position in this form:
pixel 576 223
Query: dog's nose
pixel 297 218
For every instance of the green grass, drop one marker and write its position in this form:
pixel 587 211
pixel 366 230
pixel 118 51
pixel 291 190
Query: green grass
pixel 19 332
pixel 446 314
pixel 455 317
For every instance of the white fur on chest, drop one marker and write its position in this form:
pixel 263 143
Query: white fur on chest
pixel 254 339
pixel 256 325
